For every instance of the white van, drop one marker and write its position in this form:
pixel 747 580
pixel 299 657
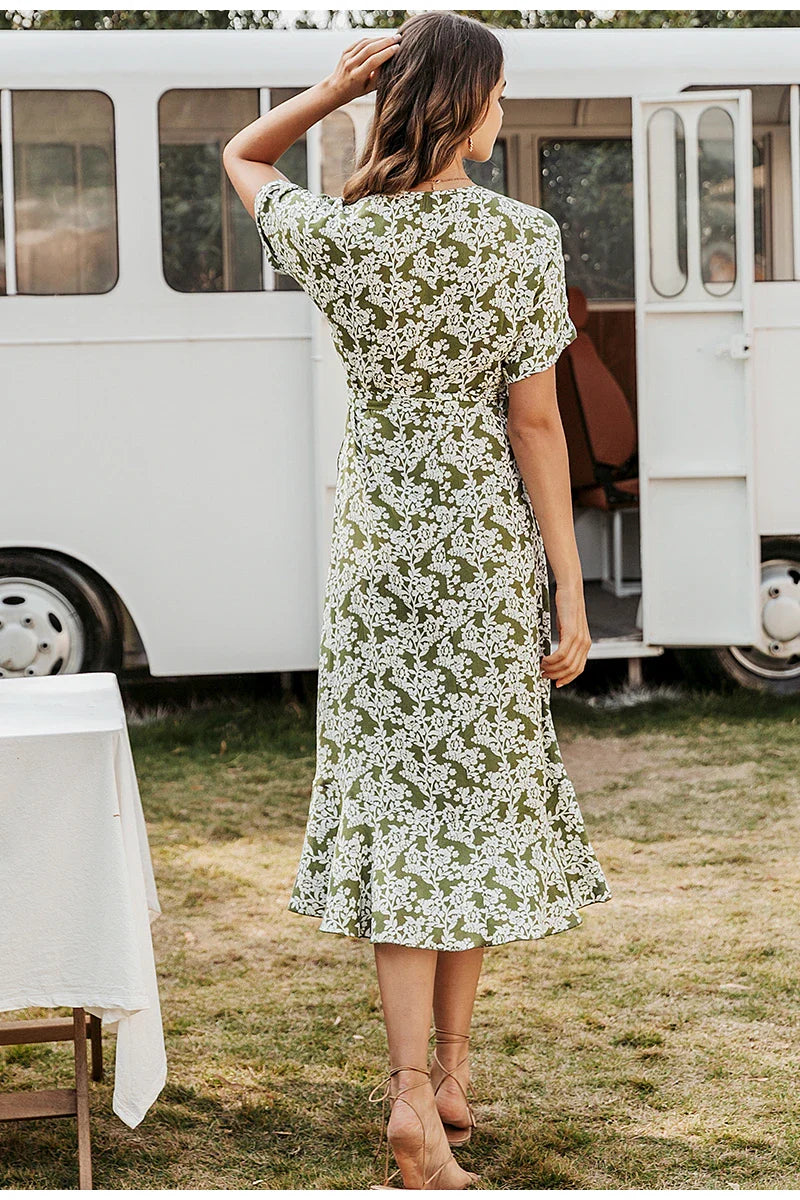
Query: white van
pixel 172 409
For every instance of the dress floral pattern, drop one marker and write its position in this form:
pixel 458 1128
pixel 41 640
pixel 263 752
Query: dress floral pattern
pixel 441 814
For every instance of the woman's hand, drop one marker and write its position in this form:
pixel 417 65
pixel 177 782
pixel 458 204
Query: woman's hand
pixel 356 73
pixel 574 639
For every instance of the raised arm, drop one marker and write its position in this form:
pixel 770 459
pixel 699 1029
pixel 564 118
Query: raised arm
pixel 249 155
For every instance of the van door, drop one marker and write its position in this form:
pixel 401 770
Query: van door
pixel 693 229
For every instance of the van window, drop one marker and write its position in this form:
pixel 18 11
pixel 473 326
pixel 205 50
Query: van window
pixel 772 178
pixel 586 183
pixel 666 147
pixel 209 243
pixel 338 137
pixel 716 200
pixel 205 246
pixel 64 192
pixel 3 251
pixel 494 172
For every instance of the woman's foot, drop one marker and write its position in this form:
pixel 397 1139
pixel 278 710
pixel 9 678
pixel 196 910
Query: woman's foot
pixel 413 1119
pixel 451 1059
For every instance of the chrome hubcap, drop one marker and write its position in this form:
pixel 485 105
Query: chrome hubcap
pixel 40 631
pixel 776 655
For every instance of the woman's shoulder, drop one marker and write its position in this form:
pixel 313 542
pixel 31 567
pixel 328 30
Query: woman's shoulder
pixel 293 197
pixel 535 222
pixel 298 228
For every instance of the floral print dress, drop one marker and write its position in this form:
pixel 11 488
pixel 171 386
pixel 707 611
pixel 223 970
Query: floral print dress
pixel 441 814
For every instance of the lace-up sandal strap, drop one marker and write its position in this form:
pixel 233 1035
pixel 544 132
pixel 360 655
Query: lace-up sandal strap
pixel 388 1078
pixel 431 1178
pixel 448 1037
pixel 447 1070
pixel 385 1095
pixel 473 1124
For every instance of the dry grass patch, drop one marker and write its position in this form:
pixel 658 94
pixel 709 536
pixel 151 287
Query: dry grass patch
pixel 654 1046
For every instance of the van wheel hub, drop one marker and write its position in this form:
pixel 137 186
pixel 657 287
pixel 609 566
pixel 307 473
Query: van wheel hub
pixel 780 611
pixel 40 631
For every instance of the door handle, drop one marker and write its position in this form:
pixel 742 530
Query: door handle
pixel 737 345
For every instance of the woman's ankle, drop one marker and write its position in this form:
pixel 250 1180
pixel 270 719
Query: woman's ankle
pixel 409 1078
pixel 452 1056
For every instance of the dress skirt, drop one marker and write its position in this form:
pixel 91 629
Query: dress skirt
pixel 441 814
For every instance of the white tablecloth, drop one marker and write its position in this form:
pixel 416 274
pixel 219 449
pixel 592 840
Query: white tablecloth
pixel 77 893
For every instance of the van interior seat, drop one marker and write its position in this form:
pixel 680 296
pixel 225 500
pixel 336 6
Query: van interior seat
pixel 599 426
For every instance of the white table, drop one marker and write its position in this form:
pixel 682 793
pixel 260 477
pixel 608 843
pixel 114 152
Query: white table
pixel 77 893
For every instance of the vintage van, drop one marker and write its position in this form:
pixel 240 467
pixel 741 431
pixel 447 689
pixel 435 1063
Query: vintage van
pixel 172 409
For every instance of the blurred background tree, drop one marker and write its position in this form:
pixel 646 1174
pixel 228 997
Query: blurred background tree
pixel 276 18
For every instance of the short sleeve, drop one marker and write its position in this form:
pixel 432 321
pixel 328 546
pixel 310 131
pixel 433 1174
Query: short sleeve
pixel 544 327
pixel 291 225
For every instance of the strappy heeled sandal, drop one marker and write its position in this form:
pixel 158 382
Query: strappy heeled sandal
pixel 457 1135
pixel 386 1095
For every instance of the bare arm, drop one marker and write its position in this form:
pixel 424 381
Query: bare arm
pixel 537 440
pixel 249 155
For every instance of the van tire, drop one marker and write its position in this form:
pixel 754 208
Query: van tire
pixel 90 637
pixel 727 666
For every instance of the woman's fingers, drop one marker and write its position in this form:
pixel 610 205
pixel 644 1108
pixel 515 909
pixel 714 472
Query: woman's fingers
pixel 569 645
pixel 372 64
pixel 574 639
pixel 353 75
pixel 367 46
pixel 574 648
pixel 371 54
pixel 363 44
pixel 567 662
pixel 556 660
pixel 569 671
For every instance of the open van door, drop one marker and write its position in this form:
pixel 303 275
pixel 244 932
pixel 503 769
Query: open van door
pixel 693 227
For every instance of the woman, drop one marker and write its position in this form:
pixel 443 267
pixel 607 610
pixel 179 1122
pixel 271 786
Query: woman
pixel 442 819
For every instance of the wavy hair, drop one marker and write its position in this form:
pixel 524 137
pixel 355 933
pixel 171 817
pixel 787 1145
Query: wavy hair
pixel 428 97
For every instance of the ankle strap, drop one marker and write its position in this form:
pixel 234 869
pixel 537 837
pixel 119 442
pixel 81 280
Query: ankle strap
pixel 449 1033
pixel 387 1079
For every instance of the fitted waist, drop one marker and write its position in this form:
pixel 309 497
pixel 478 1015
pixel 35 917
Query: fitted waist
pixel 370 397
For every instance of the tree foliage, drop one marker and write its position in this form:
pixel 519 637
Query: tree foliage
pixel 275 18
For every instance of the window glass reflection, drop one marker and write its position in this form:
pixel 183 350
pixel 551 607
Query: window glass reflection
pixel 666 173
pixel 492 173
pixel 65 192
pixel 717 196
pixel 338 151
pixel 587 185
pixel 209 241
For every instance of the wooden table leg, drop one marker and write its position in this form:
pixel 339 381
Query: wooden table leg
pixel 82 1099
pixel 58 1102
pixel 96 1034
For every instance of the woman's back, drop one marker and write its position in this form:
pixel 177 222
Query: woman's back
pixel 451 290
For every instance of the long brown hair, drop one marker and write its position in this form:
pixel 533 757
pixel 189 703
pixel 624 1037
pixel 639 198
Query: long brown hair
pixel 428 97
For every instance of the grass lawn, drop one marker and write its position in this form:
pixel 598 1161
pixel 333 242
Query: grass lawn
pixel 654 1046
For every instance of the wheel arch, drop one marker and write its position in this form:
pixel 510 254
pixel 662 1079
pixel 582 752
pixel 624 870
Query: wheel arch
pixel 724 665
pixel 128 624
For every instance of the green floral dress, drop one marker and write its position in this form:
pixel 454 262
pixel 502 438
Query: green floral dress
pixel 441 814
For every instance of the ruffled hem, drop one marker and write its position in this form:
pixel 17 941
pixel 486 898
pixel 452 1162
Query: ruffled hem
pixel 342 877
pixel 362 932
